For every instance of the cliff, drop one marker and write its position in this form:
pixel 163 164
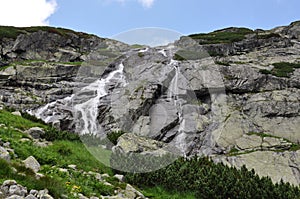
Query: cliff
pixel 232 94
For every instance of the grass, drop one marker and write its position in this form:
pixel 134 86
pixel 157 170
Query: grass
pixel 159 192
pixel 281 69
pixel 284 69
pixel 224 36
pixel 293 147
pixel 182 55
pixel 136 46
pixel 13 32
pixel 17 122
pixel 66 149
pixel 222 63
pixel 27 178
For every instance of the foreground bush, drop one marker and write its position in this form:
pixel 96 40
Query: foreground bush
pixel 206 179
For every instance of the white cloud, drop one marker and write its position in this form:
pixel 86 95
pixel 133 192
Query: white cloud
pixel 26 12
pixel 146 3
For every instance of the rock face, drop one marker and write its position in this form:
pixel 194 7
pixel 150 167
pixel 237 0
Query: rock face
pixel 227 101
pixel 40 64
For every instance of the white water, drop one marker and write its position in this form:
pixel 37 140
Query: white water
pixel 163 52
pixel 85 113
pixel 173 94
pixel 88 111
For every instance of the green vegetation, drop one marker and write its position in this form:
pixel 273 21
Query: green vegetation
pixel 184 178
pixel 224 36
pixel 268 36
pixel 224 63
pixel 113 136
pixel 14 32
pixel 293 147
pixel 284 69
pixel 158 192
pixel 281 69
pixel 178 57
pixel 204 179
pixel 65 149
pixel 140 54
pixel 55 186
pixel 182 55
pixel 137 46
pixel 37 63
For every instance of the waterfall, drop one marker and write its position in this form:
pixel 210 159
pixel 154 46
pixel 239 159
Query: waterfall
pixel 88 111
pixel 83 104
pixel 173 94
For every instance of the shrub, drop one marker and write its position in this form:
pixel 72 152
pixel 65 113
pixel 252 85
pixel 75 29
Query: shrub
pixel 52 134
pixel 281 69
pixel 209 180
pixel 228 35
pixel 265 71
pixel 114 136
pixel 223 63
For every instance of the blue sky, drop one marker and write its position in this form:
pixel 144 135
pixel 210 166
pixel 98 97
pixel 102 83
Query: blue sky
pixel 110 17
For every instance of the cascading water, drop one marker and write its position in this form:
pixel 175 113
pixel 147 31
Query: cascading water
pixel 88 111
pixel 173 94
pixel 84 109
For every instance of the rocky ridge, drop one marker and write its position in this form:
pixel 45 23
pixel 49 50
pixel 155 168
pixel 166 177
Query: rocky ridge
pixel 223 100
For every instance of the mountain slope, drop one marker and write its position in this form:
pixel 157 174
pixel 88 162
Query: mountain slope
pixel 232 95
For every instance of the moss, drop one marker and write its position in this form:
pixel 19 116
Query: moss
pixel 182 55
pixel 265 71
pixel 140 54
pixel 223 63
pixel 281 69
pixel 224 36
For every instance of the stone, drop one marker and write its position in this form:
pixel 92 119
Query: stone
pixel 105 175
pixel 99 177
pixel 39 175
pixel 36 132
pixel 32 164
pixel 72 166
pixel 81 196
pixel 63 170
pixel 43 194
pixel 9 183
pixel 33 192
pixel 119 177
pixel 17 190
pixel 4 154
pixel 206 105
pixel 130 142
pixel 132 193
pixel 15 197
pixel 17 113
pixel 6 144
pixel 30 196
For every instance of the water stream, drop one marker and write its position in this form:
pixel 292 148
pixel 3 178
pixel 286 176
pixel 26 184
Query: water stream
pixel 83 104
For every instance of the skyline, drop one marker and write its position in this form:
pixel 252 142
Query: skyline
pixel 108 18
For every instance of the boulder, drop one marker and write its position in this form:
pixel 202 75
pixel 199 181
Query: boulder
pixel 32 164
pixel 35 132
pixel 17 113
pixel 4 154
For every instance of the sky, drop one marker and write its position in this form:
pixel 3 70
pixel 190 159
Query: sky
pixel 108 18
